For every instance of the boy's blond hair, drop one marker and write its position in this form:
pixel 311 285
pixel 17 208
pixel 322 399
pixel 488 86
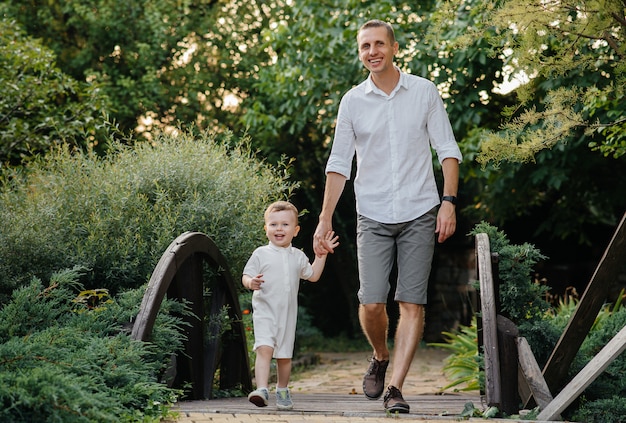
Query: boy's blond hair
pixel 280 206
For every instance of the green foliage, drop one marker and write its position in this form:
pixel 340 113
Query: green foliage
pixel 40 106
pixel 463 365
pixel 607 410
pixel 116 216
pixel 59 364
pixel 612 381
pixel 521 298
pixel 470 410
pixel 549 161
pixel 572 53
pixel 133 49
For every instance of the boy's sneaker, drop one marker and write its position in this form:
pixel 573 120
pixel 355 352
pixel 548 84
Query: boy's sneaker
pixel 394 403
pixel 283 399
pixel 374 379
pixel 259 397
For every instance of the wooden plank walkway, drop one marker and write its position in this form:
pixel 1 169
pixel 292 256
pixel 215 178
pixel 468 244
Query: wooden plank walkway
pixel 331 392
pixel 450 405
pixel 335 408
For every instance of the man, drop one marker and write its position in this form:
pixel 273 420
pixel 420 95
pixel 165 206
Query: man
pixel 391 121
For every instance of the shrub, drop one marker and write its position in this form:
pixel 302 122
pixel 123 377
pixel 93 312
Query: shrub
pixel 612 382
pixel 63 360
pixel 116 215
pixel 521 298
pixel 463 365
pixel 603 401
pixel 608 410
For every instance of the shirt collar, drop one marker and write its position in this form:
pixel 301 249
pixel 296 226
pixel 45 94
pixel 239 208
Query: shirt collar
pixel 277 248
pixel 402 83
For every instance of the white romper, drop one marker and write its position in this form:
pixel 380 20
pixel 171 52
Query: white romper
pixel 275 305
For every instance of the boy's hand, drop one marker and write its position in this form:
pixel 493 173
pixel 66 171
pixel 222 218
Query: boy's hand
pixel 256 282
pixel 330 240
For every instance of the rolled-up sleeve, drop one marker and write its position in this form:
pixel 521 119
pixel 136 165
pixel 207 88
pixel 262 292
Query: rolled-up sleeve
pixel 342 152
pixel 439 128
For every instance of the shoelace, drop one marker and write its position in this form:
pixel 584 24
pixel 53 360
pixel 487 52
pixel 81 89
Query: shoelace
pixel 393 392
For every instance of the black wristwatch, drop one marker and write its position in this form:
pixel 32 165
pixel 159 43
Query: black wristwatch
pixel 450 198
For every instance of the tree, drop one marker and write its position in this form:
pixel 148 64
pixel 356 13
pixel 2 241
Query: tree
pixel 315 62
pixel 582 45
pixel 41 106
pixel 275 69
pixel 551 163
pixel 160 63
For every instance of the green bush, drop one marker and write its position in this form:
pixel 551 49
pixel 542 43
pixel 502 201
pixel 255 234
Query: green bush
pixel 64 360
pixel 116 215
pixel 463 365
pixel 521 298
pixel 611 383
pixel 608 410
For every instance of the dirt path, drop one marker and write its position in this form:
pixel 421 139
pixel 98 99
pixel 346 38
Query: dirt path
pixel 343 373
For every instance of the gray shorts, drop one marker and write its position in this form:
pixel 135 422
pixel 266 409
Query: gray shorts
pixel 410 244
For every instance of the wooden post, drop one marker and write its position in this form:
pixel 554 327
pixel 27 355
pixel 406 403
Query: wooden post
pixel 490 331
pixel 507 345
pixel 531 375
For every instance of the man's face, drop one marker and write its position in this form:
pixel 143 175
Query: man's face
pixel 376 50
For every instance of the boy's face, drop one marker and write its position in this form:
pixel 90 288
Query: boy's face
pixel 281 227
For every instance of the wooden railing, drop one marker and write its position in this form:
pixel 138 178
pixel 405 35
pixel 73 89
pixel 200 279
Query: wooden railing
pixel 180 274
pixel 509 358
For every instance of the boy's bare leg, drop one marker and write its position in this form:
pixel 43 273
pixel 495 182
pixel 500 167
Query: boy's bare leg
pixel 262 365
pixel 283 366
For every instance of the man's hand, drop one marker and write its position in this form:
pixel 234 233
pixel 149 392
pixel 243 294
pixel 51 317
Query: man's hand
pixel 446 221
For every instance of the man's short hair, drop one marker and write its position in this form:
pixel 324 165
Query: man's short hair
pixel 377 23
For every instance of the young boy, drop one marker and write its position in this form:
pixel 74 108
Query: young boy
pixel 273 272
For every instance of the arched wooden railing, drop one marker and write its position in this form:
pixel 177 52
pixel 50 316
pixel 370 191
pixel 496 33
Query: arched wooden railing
pixel 180 274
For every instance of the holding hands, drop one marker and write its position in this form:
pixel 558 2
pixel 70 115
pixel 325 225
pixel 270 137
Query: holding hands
pixel 329 241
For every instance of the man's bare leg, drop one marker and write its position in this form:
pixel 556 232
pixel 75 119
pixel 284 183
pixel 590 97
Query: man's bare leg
pixel 408 335
pixel 375 324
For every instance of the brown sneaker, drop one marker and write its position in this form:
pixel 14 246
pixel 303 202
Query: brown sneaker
pixel 394 403
pixel 374 379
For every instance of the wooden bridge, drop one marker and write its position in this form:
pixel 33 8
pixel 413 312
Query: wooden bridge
pixel 213 349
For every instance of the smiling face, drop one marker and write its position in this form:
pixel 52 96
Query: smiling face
pixel 377 49
pixel 281 226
